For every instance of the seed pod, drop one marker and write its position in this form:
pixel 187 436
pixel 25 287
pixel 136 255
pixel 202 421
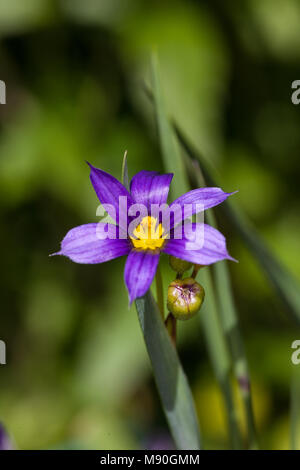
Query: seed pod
pixel 179 265
pixel 185 297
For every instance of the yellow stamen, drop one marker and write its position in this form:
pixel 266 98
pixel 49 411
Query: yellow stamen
pixel 149 234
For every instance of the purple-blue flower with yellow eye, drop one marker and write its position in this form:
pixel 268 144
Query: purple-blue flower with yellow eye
pixel 150 237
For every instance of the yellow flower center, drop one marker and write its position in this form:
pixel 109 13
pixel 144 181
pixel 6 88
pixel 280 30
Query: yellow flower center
pixel 149 234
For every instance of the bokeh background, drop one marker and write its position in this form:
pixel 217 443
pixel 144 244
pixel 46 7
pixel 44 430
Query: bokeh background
pixel 77 372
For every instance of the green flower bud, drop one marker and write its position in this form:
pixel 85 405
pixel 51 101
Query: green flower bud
pixel 185 297
pixel 179 265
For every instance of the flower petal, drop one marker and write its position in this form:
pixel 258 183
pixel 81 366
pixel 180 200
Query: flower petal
pixel 5 442
pixel 204 198
pixel 84 244
pixel 108 190
pixel 208 248
pixel 139 272
pixel 150 187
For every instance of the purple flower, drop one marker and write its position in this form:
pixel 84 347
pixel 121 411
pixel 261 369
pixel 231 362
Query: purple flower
pixel 150 236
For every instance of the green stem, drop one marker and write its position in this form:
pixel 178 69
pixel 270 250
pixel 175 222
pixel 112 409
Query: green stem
pixel 219 354
pixel 171 327
pixel 195 271
pixel 160 292
pixel 231 328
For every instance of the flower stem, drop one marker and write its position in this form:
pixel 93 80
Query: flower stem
pixel 160 292
pixel 171 327
pixel 219 354
pixel 195 271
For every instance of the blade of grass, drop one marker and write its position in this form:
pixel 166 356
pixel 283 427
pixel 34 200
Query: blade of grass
pixel 160 292
pixel 169 146
pixel 230 325
pixel 171 381
pixel 219 354
pixel 232 330
pixel 284 283
pixel 125 180
pixel 168 141
pixel 215 339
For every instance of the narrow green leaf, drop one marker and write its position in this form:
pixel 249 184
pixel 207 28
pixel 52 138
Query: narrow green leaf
pixel 160 292
pixel 284 283
pixel 168 142
pixel 171 381
pixel 215 339
pixel 219 353
pixel 125 180
pixel 230 325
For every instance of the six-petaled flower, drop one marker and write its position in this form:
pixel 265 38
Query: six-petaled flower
pixel 149 238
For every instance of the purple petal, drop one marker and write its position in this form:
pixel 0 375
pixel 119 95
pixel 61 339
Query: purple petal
pixel 149 187
pixel 108 190
pixel 139 272
pixel 205 198
pixel 84 245
pixel 209 248
pixel 5 443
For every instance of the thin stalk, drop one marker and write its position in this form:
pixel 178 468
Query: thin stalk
pixel 160 292
pixel 215 337
pixel 195 271
pixel 219 354
pixel 171 327
pixel 172 384
pixel 230 325
pixel 125 179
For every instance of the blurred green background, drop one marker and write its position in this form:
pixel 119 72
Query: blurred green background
pixel 77 372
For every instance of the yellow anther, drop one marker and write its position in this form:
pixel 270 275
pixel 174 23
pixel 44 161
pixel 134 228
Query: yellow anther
pixel 148 235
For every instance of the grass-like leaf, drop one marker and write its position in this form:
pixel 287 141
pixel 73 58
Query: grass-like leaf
pixel 125 179
pixel 215 338
pixel 219 353
pixel 170 379
pixel 230 324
